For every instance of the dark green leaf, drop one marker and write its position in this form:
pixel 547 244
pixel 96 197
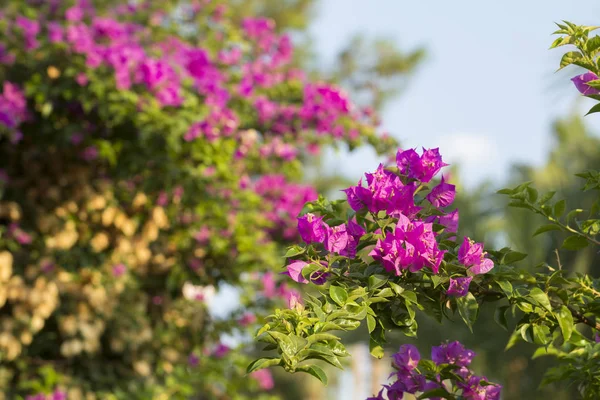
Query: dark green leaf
pixel 594 109
pixel 439 392
pixel 575 242
pixel 546 228
pixel 468 309
pixel 541 298
pixel 512 257
pixel 500 316
pixel 506 287
pixel 559 208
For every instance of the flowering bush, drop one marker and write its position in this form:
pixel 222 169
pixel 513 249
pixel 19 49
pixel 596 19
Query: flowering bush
pixel 390 251
pixel 446 373
pixel 137 142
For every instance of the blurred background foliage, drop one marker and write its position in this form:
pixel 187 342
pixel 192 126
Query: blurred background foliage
pixel 71 320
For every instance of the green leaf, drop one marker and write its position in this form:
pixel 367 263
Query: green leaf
pixel 315 371
pixel 468 309
pixel 541 298
pixel 546 228
pixel 409 296
pixel 438 392
pixel 317 337
pixel 532 194
pixel 500 316
pixel 437 280
pixel 559 208
pixel 570 58
pixel 262 363
pixel 294 251
pixel 505 191
pixel 573 213
pixel 371 323
pixel 575 242
pixel 338 294
pixel 541 334
pixel 377 281
pixel 376 349
pixel 285 343
pixel 514 339
pixel 544 351
pixel 506 287
pixel 594 109
pixel 526 333
pixel 546 197
pixel 512 257
pixel 565 321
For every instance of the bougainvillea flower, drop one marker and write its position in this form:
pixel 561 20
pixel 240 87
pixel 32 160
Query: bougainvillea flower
pixel 450 221
pixel 581 83
pixel 408 357
pixel 474 390
pixel 294 270
pixel 442 194
pixel 452 353
pixel 311 228
pixel 264 379
pixel 472 256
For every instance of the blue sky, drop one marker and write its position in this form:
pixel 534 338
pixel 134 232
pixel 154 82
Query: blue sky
pixel 487 92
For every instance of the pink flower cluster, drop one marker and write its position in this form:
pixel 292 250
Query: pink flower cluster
pixel 13 108
pixel 412 245
pixel 56 395
pixel 285 201
pixel 264 379
pixel 408 379
pixel 243 69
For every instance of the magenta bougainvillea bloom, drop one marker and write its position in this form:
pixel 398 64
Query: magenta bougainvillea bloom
pixel 247 319
pixel 452 353
pixel 450 221
pixel 268 285
pixel 459 287
pixel 193 360
pixel 581 83
pixel 13 106
pixel 264 379
pixel 422 168
pixel 336 238
pixel 412 246
pixel 285 201
pixel 294 270
pixel 474 390
pixel 408 356
pixel 221 350
pixel 384 192
pixel 118 270
pixel 311 228
pixel 442 195
pixel 472 256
